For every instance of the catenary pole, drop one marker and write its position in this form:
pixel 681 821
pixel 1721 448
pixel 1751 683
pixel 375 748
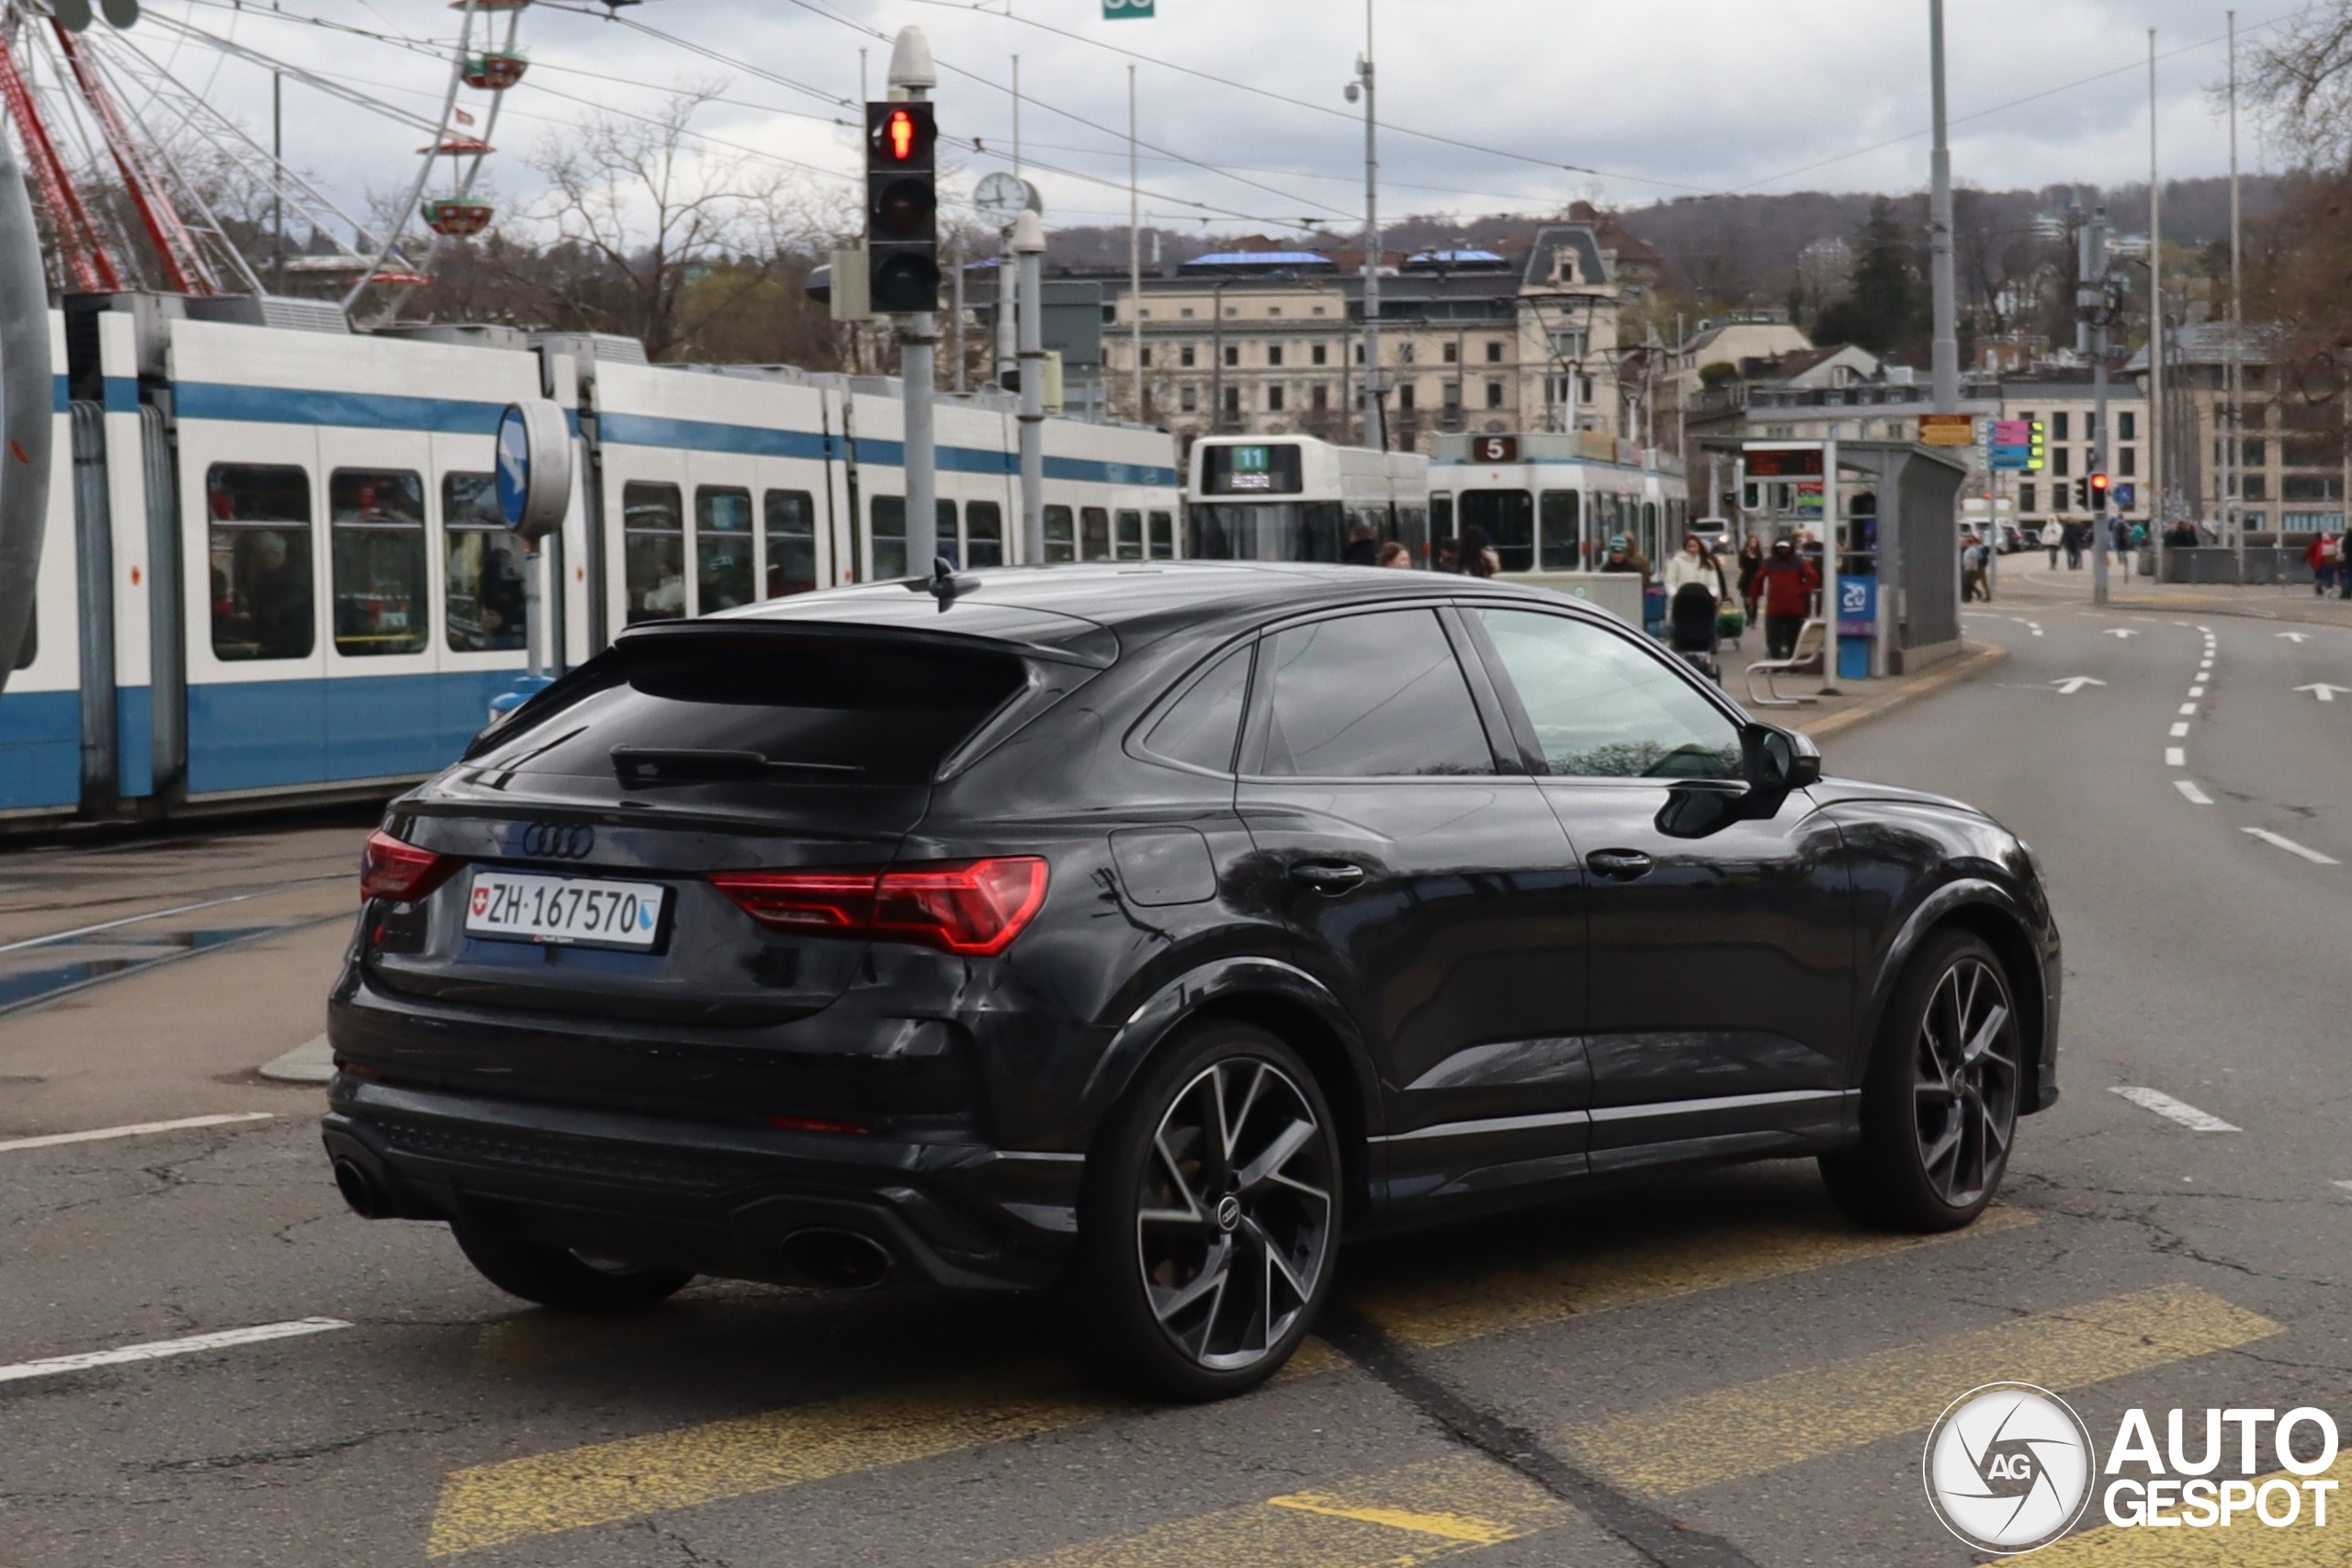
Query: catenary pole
pixel 913 75
pixel 2157 452
pixel 1946 371
pixel 2095 287
pixel 1134 251
pixel 2234 445
pixel 1375 426
pixel 1029 244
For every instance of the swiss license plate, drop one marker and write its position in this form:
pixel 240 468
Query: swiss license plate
pixel 582 911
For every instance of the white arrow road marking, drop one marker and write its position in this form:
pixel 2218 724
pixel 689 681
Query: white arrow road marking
pixel 2073 683
pixel 2292 848
pixel 154 1351
pixel 2175 757
pixel 2196 796
pixel 2325 692
pixel 2164 1105
pixel 2118 631
pixel 2294 637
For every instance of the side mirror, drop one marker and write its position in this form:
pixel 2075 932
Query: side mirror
pixel 1778 760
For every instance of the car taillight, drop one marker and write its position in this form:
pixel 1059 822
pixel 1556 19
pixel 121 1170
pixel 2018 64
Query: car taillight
pixel 973 908
pixel 390 869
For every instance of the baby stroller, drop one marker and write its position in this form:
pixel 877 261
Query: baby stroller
pixel 1690 629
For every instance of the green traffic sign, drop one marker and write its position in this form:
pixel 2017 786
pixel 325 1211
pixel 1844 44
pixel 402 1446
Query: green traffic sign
pixel 1118 10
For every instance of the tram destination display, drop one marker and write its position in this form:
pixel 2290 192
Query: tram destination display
pixel 1268 468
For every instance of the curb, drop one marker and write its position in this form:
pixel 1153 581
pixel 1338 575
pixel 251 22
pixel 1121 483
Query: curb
pixel 1981 657
pixel 311 1062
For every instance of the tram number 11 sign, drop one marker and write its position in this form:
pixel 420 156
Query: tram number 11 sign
pixel 1119 10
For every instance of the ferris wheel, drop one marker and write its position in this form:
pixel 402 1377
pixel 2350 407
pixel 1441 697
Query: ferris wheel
pixel 117 146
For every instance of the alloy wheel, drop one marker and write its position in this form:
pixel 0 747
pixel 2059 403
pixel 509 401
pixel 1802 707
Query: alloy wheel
pixel 1964 1088
pixel 1233 1218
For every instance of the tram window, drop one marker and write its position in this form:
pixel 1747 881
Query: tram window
pixel 484 605
pixel 1442 516
pixel 654 549
pixel 723 574
pixel 889 529
pixel 263 597
pixel 1130 536
pixel 29 649
pixel 1164 535
pixel 984 526
pixel 1508 516
pixel 380 562
pixel 1562 539
pixel 792 541
pixel 1061 537
pixel 1094 533
pixel 944 538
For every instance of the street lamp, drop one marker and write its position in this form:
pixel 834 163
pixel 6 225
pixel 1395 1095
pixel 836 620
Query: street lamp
pixel 1376 430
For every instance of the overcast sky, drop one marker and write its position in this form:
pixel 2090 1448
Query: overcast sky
pixel 1629 102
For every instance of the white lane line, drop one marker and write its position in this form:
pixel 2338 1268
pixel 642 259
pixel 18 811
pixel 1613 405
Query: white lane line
pixel 2175 757
pixel 156 1349
pixel 2196 796
pixel 2292 848
pixel 2346 1185
pixel 2180 729
pixel 52 1140
pixel 2196 691
pixel 2164 1105
pixel 2187 709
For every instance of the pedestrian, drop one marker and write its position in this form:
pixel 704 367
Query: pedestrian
pixel 2323 556
pixel 1394 554
pixel 1786 584
pixel 1478 557
pixel 1623 557
pixel 2344 565
pixel 1448 555
pixel 2054 533
pixel 1972 569
pixel 2075 542
pixel 1693 564
pixel 1360 550
pixel 1752 561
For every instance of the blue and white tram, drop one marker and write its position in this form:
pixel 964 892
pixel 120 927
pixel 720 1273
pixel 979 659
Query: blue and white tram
pixel 1550 503
pixel 1297 498
pixel 275 569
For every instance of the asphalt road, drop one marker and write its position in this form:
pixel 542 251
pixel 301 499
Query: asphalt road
pixel 1715 1371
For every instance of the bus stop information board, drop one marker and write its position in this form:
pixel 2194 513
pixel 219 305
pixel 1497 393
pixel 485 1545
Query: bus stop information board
pixel 1782 462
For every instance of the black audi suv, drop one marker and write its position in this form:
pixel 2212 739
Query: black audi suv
pixel 1151 928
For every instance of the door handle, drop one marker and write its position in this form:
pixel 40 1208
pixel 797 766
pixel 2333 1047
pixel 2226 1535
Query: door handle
pixel 1329 878
pixel 1619 865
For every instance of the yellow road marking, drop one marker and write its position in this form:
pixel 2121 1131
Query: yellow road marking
pixel 2247 1543
pixel 1444 1312
pixel 1415 1514
pixel 495 1504
pixel 1762 1427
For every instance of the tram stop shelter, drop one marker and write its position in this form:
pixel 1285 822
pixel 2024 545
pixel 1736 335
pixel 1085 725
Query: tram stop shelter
pixel 1897 506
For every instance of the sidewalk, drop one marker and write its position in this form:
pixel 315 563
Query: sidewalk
pixel 2037 585
pixel 1856 701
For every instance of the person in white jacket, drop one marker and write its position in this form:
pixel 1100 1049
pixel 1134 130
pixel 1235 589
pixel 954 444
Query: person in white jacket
pixel 2054 533
pixel 1693 564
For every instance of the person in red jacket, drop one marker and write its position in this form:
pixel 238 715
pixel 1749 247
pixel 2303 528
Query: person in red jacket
pixel 1788 581
pixel 2323 555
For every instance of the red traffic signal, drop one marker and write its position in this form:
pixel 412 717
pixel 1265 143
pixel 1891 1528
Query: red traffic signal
pixel 900 135
pixel 2099 487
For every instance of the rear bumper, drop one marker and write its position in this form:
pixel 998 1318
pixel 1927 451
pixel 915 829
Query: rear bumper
pixel 719 1200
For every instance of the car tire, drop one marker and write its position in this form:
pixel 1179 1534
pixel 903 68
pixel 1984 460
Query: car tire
pixel 1939 1101
pixel 1206 1257
pixel 559 1278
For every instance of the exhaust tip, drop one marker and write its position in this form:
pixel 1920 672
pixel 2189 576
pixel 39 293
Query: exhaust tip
pixel 837 1261
pixel 359 1189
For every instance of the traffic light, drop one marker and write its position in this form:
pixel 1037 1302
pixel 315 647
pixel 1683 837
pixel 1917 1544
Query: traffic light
pixel 2098 492
pixel 2082 492
pixel 901 208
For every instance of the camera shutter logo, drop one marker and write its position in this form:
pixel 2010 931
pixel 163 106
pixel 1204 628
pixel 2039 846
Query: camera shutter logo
pixel 2008 1467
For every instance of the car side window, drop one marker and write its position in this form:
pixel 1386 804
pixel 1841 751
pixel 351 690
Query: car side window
pixel 1604 707
pixel 1376 695
pixel 1202 728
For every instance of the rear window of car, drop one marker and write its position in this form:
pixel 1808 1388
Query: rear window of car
pixel 814 711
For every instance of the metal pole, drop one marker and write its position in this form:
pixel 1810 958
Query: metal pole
pixel 1029 241
pixel 912 72
pixel 2156 449
pixel 956 321
pixel 1135 250
pixel 2236 451
pixel 1217 360
pixel 1947 344
pixel 1830 544
pixel 277 181
pixel 27 424
pixel 1375 425
pixel 2095 278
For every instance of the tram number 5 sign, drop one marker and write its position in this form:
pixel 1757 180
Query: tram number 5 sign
pixel 1118 10
pixel 1494 448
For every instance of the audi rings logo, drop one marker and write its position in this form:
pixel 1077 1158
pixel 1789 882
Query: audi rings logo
pixel 557 841
pixel 2008 1467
